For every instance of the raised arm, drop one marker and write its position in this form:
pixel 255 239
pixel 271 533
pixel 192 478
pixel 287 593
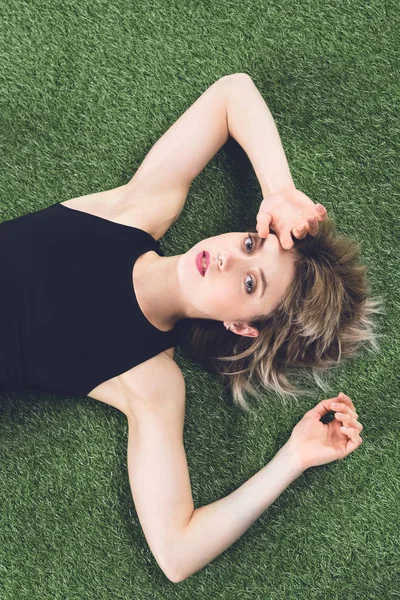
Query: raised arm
pixel 231 106
pixel 251 124
pixel 285 209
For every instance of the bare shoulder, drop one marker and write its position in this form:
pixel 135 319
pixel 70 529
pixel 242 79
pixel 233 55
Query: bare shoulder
pixel 148 378
pixel 127 206
pixel 156 386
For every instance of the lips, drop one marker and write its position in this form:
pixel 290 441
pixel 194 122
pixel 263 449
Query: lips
pixel 199 262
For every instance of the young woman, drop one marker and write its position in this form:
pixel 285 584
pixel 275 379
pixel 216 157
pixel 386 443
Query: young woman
pixel 92 306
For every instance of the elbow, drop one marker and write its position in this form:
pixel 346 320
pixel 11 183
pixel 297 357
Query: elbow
pixel 169 564
pixel 174 571
pixel 176 574
pixel 243 78
pixel 172 574
pixel 175 579
pixel 174 561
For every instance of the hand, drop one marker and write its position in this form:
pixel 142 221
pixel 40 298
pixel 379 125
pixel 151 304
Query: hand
pixel 287 212
pixel 314 443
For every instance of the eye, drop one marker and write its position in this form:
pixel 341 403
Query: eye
pixel 249 283
pixel 249 280
pixel 251 240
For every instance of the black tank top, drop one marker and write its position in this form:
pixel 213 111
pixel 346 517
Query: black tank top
pixel 69 317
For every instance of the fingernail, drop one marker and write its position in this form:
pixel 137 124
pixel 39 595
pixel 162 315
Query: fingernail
pixel 335 404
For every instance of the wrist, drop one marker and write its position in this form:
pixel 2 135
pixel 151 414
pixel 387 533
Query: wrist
pixel 293 459
pixel 279 188
pixel 284 191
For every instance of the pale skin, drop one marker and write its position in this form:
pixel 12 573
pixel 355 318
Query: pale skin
pixel 231 289
pixel 152 395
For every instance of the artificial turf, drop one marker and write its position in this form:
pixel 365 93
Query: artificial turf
pixel 86 88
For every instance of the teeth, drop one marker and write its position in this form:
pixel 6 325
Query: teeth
pixel 204 263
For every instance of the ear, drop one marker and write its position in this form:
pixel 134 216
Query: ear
pixel 243 329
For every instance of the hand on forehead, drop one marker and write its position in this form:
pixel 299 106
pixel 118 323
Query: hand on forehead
pixel 289 213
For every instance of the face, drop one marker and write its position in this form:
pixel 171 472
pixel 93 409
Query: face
pixel 232 288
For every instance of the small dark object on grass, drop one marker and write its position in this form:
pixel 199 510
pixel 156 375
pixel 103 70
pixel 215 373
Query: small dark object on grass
pixel 328 417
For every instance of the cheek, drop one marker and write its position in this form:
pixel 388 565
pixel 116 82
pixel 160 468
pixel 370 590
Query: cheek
pixel 216 294
pixel 217 300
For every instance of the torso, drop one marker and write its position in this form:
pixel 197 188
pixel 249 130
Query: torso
pixel 114 205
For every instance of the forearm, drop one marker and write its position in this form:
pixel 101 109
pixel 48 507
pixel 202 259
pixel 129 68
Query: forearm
pixel 251 124
pixel 214 527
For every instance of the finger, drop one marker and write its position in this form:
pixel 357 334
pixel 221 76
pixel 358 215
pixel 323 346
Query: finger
pixel 322 408
pixel 352 434
pixel 312 225
pixel 322 212
pixel 300 232
pixel 264 221
pixel 348 421
pixel 263 232
pixel 264 216
pixel 343 398
pixel 286 241
pixel 341 407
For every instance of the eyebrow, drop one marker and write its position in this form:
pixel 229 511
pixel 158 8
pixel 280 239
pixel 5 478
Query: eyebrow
pixel 261 242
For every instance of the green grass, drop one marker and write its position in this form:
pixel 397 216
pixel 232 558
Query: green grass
pixel 85 91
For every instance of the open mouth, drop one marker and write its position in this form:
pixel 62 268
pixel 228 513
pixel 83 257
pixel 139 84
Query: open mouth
pixel 202 262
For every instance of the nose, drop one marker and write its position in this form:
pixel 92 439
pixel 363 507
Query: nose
pixel 225 260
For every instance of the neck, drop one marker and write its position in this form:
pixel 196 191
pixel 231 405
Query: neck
pixel 157 290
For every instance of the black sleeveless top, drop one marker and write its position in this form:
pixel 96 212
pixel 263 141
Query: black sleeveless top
pixel 69 317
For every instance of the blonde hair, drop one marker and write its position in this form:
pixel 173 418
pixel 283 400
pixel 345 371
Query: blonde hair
pixel 323 319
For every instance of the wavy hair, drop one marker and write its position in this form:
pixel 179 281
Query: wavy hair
pixel 323 319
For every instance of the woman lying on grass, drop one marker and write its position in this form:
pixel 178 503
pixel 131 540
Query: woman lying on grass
pixel 253 306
